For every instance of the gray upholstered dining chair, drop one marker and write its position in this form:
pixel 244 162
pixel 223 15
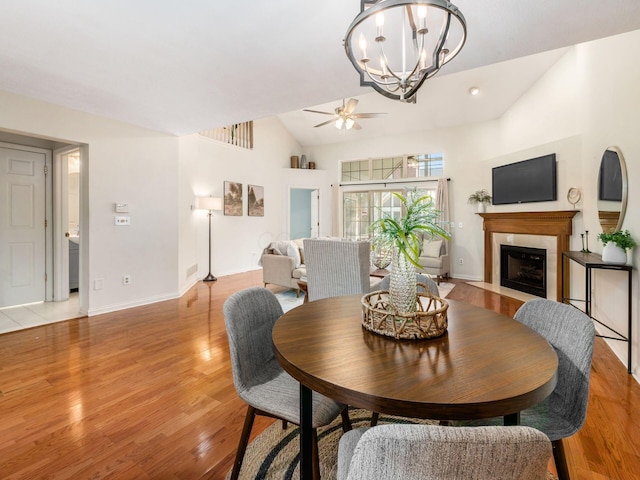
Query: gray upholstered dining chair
pixel 433 452
pixel 337 267
pixel 432 286
pixel 259 379
pixel 571 333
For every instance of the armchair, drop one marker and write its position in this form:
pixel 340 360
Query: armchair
pixel 434 258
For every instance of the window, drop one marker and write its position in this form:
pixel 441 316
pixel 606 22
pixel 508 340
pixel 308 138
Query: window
pixel 363 205
pixel 407 166
pixel 354 171
pixel 361 209
pixel 430 165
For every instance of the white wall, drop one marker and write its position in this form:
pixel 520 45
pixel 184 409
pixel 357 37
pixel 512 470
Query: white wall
pixel 237 242
pixel 609 112
pixel 125 164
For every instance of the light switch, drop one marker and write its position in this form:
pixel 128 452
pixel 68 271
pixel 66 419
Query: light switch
pixel 122 220
pixel 122 207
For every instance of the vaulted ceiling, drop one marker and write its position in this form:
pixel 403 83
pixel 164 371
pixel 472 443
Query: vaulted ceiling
pixel 182 67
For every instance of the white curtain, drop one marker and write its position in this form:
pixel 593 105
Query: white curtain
pixel 442 204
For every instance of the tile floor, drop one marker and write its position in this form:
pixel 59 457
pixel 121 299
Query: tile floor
pixel 34 314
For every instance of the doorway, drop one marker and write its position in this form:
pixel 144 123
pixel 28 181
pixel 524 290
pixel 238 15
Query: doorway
pixel 66 232
pixel 24 240
pixel 304 212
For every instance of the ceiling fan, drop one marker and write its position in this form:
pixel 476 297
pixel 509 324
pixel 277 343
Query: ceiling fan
pixel 344 116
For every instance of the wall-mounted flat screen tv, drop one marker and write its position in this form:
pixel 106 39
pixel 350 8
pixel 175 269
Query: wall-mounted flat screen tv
pixel 528 181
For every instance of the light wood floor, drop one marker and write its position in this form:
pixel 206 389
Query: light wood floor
pixel 146 393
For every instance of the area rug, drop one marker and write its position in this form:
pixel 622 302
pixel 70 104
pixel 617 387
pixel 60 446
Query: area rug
pixel 288 299
pixel 273 455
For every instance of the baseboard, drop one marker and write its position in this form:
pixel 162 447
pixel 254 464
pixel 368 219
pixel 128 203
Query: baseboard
pixel 137 303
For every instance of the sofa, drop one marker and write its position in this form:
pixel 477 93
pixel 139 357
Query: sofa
pixel 283 264
pixel 434 258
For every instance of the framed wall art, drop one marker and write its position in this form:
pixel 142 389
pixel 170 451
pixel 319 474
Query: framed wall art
pixel 255 201
pixel 233 198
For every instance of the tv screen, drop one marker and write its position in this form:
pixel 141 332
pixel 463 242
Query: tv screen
pixel 528 181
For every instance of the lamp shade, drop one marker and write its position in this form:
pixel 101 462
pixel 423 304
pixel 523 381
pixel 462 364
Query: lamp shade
pixel 209 203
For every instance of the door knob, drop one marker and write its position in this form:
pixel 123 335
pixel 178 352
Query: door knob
pixel 66 234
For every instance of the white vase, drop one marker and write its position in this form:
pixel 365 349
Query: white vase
pixel 613 254
pixel 481 207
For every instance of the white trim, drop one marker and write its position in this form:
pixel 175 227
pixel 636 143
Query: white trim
pixel 137 303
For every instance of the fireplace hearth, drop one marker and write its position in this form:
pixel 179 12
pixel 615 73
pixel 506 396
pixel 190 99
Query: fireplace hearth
pixel 524 269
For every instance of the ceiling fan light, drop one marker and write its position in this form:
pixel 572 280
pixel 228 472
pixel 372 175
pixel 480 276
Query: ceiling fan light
pixel 349 123
pixel 339 123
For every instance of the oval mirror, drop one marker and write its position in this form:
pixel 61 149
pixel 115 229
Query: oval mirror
pixel 612 190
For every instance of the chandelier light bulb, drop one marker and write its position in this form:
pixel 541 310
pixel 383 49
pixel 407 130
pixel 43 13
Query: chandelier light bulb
pixel 380 25
pixel 362 42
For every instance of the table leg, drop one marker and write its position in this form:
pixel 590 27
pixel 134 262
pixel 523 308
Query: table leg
pixel 306 433
pixel 512 419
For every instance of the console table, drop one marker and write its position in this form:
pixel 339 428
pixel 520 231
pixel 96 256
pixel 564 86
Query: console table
pixel 591 261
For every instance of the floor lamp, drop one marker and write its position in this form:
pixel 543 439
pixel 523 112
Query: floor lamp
pixel 211 204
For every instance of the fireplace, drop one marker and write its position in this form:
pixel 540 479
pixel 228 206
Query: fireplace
pixel 524 269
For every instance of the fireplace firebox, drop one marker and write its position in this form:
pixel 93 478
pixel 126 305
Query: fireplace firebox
pixel 524 269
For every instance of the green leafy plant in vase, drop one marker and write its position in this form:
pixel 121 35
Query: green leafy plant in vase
pixel 480 198
pixel 616 245
pixel 404 236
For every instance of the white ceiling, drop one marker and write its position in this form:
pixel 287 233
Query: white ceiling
pixel 182 67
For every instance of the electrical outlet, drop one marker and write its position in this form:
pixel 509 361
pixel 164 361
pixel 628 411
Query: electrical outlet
pixel 126 280
pixel 461 261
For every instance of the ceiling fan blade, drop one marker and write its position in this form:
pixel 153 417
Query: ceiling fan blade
pixel 368 115
pixel 351 106
pixel 324 123
pixel 318 111
pixel 356 126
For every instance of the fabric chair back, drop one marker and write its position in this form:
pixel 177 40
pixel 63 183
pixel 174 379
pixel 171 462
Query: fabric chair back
pixel 336 267
pixel 418 452
pixel 420 278
pixel 249 316
pixel 571 333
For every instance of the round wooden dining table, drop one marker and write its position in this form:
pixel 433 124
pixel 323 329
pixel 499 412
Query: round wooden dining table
pixel 485 365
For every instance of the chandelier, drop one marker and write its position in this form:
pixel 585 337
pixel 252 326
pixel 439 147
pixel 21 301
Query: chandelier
pixel 410 39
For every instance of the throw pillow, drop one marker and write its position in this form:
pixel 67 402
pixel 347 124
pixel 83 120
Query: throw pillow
pixel 300 243
pixel 431 248
pixel 294 252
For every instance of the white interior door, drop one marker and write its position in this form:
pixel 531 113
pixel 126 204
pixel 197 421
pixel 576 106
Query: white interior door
pixel 315 213
pixel 22 227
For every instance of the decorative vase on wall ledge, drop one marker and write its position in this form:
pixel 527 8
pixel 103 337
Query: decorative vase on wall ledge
pixel 613 254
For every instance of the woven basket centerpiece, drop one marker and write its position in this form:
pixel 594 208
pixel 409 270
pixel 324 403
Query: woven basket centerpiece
pixel 428 321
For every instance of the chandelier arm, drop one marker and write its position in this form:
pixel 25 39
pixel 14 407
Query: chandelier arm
pixel 411 20
pixel 381 83
pixel 383 58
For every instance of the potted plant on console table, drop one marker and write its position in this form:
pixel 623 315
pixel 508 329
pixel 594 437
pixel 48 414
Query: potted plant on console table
pixel 616 245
